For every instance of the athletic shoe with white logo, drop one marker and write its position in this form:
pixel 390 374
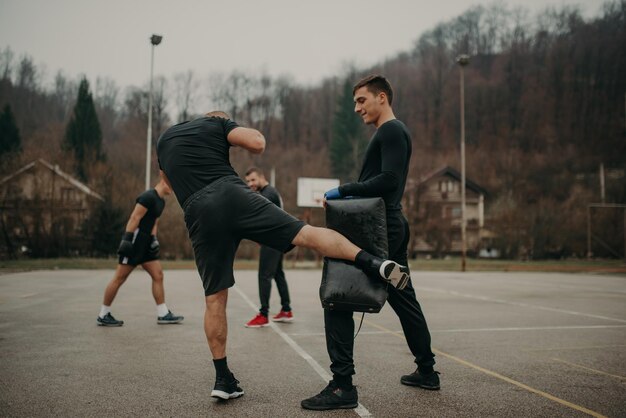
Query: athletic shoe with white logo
pixel 226 388
pixel 258 321
pixel 394 273
pixel 170 318
pixel 283 316
pixel 109 321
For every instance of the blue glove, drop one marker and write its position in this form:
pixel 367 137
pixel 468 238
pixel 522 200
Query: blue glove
pixel 332 194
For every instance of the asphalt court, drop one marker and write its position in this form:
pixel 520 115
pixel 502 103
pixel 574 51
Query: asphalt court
pixel 507 344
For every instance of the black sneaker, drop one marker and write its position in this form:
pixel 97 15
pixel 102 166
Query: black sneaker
pixel 332 397
pixel 226 388
pixel 394 273
pixel 109 321
pixel 170 318
pixel 425 381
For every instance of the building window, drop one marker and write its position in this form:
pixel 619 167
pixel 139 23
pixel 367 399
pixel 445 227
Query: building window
pixel 447 186
pixel 68 195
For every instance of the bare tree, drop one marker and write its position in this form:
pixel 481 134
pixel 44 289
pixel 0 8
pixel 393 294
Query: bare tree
pixel 186 88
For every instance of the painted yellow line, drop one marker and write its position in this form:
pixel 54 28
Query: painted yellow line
pixel 588 368
pixel 499 376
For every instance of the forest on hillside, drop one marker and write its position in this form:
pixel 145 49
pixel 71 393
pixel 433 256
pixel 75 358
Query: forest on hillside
pixel 545 108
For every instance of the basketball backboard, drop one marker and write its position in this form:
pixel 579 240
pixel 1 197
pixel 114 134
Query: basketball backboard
pixel 311 191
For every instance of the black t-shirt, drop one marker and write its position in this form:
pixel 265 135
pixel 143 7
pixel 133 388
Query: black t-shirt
pixel 151 200
pixel 385 166
pixel 195 153
pixel 271 194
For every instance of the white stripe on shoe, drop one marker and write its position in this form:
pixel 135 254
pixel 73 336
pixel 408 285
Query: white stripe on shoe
pixel 225 395
pixel 394 273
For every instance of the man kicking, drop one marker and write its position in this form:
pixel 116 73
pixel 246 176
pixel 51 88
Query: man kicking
pixel 220 210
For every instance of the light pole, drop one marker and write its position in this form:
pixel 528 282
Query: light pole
pixel 463 60
pixel 154 40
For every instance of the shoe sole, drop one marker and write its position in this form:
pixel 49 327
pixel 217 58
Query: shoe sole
pixel 169 322
pixel 327 408
pixel 420 386
pixel 282 319
pixel 256 326
pixel 109 325
pixel 220 394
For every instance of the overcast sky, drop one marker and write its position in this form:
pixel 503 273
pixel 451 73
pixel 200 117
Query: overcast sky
pixel 308 40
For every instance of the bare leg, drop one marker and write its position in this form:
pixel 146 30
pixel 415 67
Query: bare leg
pixel 332 244
pixel 215 325
pixel 327 242
pixel 121 274
pixel 155 271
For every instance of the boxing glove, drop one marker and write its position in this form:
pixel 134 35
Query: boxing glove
pixel 126 245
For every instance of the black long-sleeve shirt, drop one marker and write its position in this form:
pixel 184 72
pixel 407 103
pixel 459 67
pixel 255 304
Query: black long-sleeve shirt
pixel 385 167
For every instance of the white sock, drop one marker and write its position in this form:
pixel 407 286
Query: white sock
pixel 162 309
pixel 104 310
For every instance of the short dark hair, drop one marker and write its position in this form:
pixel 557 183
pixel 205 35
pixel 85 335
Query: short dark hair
pixel 254 170
pixel 375 84
pixel 218 114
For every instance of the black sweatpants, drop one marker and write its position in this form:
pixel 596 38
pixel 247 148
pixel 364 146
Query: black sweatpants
pixel 271 267
pixel 340 324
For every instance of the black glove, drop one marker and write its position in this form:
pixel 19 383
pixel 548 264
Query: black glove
pixel 155 247
pixel 126 245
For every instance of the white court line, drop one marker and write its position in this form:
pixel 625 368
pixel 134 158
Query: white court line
pixel 525 305
pixel 360 410
pixel 443 331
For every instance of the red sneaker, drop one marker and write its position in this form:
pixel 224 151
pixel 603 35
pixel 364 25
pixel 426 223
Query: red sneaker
pixel 258 321
pixel 283 316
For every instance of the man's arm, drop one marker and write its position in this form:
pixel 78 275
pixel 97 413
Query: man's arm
pixel 164 177
pixel 394 151
pixel 126 245
pixel 155 227
pixel 135 217
pixel 248 139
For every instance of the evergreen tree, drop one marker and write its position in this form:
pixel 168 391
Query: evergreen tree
pixel 105 228
pixel 348 140
pixel 83 136
pixel 10 140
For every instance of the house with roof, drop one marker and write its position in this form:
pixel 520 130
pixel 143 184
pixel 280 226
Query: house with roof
pixel 434 214
pixel 43 211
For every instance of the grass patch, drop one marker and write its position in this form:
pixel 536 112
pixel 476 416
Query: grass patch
pixel 566 266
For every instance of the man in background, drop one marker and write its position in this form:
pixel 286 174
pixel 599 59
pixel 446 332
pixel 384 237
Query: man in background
pixel 270 261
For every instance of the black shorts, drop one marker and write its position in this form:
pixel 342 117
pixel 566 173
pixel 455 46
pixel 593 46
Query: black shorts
pixel 223 213
pixel 141 250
